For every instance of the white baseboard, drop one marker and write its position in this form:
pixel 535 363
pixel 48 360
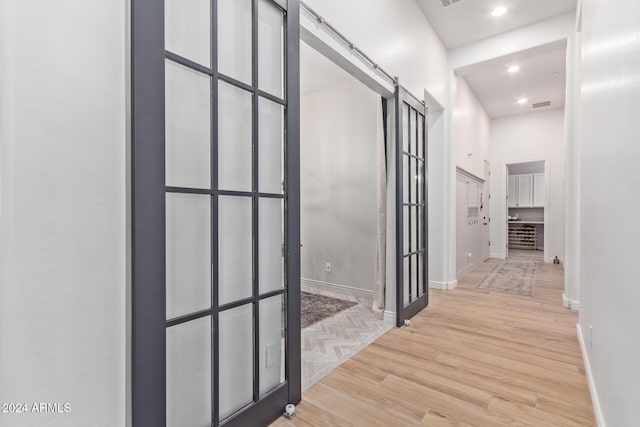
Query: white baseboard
pixel 597 409
pixel 446 286
pixel 569 303
pixel 390 317
pixel 497 255
pixel 348 292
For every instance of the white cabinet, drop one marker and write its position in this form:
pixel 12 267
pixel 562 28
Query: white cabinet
pixel 513 191
pixel 538 190
pixel 526 190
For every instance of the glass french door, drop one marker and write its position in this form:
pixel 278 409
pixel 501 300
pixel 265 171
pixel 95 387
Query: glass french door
pixel 411 210
pixel 215 211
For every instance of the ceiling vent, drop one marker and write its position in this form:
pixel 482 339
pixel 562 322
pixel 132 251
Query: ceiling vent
pixel 541 104
pixel 447 3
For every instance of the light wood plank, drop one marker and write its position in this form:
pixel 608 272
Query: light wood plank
pixel 474 357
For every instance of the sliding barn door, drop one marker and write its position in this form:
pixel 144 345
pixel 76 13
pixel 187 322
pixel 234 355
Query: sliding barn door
pixel 411 208
pixel 215 211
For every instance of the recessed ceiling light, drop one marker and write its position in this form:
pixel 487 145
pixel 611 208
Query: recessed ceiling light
pixel 514 69
pixel 522 101
pixel 499 11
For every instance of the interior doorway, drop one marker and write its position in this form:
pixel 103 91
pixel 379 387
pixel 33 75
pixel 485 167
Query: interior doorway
pixel 527 209
pixel 342 159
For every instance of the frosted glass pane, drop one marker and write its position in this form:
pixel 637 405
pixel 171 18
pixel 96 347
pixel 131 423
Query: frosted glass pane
pixel 188 228
pixel 234 39
pixel 271 343
pixel 187 30
pixel 234 138
pixel 421 277
pixel 187 127
pixel 405 282
pixel 414 277
pixel 405 226
pixel 236 359
pixel 413 175
pixel 271 48
pixel 421 182
pixel 271 146
pixel 235 249
pixel 421 236
pixel 405 128
pixel 421 136
pixel 406 188
pixel 414 132
pixel 271 261
pixel 414 229
pixel 189 374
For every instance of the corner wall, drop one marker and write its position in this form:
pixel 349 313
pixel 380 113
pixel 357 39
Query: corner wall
pixel 521 138
pixel 62 210
pixel 338 187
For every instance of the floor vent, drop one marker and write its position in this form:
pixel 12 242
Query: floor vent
pixel 447 3
pixel 541 104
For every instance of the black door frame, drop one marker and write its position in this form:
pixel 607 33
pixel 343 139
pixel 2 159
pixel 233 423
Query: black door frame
pixel 404 313
pixel 148 265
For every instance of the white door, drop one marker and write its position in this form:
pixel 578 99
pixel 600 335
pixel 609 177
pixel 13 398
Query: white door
pixel 538 190
pixel 524 190
pixel 512 191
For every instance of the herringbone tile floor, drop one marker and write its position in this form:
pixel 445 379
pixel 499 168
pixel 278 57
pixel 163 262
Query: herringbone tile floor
pixel 328 343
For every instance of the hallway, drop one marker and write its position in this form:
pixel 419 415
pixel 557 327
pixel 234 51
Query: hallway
pixel 473 357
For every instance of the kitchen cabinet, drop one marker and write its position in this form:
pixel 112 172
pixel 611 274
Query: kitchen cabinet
pixel 526 190
pixel 538 190
pixel 513 191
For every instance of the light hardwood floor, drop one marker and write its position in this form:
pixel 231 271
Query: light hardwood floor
pixel 472 358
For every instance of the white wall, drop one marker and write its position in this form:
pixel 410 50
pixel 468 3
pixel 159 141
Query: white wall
pixel 529 137
pixel 397 35
pixel 62 210
pixel 609 130
pixel 338 185
pixel 470 129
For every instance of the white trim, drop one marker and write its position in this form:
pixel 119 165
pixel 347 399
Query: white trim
pixel 597 409
pixel 445 286
pixel 569 303
pixel 317 286
pixel 389 317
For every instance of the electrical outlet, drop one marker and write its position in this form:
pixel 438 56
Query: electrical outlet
pixel 270 357
pixel 327 267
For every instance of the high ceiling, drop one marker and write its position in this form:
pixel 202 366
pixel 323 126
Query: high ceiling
pixel 541 78
pixel 543 70
pixel 468 21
